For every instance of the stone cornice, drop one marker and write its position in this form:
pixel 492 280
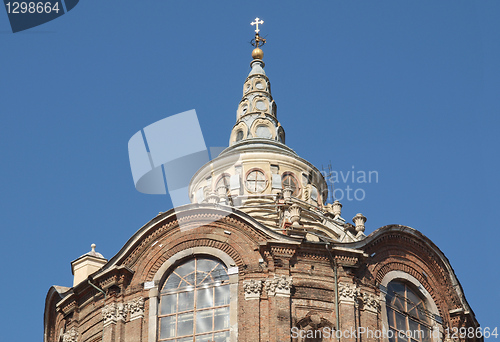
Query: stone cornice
pixel 113 276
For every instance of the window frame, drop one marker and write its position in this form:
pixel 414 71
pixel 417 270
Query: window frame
pixel 419 290
pixel 168 266
pixel 292 176
pixel 266 181
pixel 195 291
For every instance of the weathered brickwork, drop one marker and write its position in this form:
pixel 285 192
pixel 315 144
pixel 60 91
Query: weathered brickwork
pixel 282 282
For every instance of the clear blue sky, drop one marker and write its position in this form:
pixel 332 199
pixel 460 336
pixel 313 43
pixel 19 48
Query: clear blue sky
pixel 409 89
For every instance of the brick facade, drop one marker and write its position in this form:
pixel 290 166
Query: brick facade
pixel 281 282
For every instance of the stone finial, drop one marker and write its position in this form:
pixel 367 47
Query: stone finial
pixel 287 193
pixel 93 247
pixel 359 221
pixel 295 212
pixel 336 208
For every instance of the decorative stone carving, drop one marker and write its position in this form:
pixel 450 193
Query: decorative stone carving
pixel 113 312
pixel 109 314
pixel 295 212
pixel 70 335
pixel 252 288
pixel 279 286
pixel 212 198
pixel 310 326
pixel 370 301
pixel 348 292
pixel 136 308
pixel 307 192
pixel 351 293
pixel 121 312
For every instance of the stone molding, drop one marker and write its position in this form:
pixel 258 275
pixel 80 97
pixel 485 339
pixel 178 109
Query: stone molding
pixel 370 302
pixel 109 314
pixel 114 312
pixel 252 289
pixel 70 335
pixel 121 311
pixel 278 286
pixel 136 308
pixel 350 293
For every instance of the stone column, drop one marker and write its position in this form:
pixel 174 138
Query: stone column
pixel 251 330
pixel 114 316
pixel 133 329
pixel 370 308
pixel 278 291
pixel 109 316
pixel 348 296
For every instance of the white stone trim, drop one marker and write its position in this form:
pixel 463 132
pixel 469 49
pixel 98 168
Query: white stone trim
pixel 70 335
pixel 160 275
pixel 136 308
pixel 252 289
pixel 278 286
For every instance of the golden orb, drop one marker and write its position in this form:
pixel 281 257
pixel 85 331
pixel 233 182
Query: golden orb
pixel 257 53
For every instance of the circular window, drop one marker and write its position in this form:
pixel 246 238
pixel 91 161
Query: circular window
pixel 259 85
pixel 246 87
pixel 289 180
pixel 256 181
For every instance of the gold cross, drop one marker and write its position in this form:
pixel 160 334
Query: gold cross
pixel 257 22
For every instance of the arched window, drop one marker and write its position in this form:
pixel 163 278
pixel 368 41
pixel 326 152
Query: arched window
pixel 194 302
pixel 289 180
pixel 223 182
pixel 407 311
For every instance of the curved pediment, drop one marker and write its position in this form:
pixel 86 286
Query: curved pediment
pixel 194 221
pixel 405 249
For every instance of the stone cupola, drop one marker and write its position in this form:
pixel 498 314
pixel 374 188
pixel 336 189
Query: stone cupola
pixel 262 176
pixel 256 116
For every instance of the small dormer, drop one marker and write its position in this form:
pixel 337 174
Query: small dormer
pixel 86 265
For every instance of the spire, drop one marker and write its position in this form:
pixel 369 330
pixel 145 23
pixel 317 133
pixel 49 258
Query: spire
pixel 256 116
